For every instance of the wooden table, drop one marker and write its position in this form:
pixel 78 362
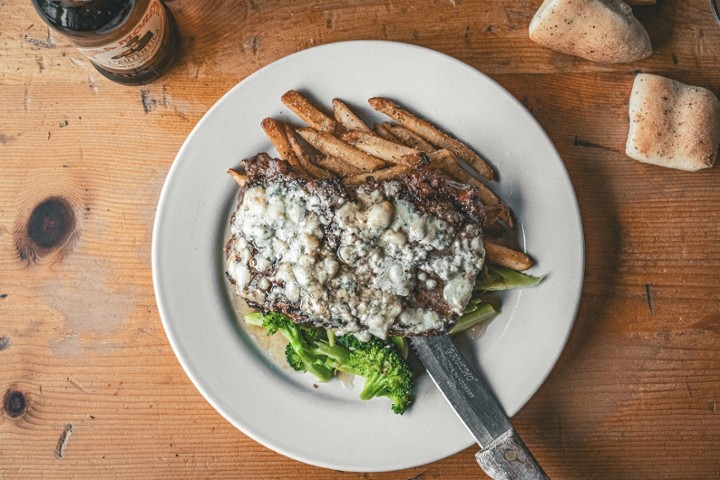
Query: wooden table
pixel 91 386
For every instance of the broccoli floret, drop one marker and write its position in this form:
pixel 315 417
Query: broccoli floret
pixel 299 352
pixel 318 352
pixel 293 359
pixel 336 354
pixel 386 373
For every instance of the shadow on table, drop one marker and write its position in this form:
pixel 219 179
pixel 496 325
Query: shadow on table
pixel 555 423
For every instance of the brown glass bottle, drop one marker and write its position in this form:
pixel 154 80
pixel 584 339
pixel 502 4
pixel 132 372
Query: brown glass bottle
pixel 128 41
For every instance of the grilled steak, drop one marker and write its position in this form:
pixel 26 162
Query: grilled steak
pixel 393 257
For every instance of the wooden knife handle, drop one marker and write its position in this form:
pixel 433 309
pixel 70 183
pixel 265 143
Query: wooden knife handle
pixel 507 458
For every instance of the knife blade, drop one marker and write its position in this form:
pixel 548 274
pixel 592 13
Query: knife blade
pixel 503 455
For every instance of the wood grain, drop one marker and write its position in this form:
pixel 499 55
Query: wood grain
pixel 635 392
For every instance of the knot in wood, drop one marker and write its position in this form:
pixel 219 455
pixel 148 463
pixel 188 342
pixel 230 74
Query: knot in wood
pixel 51 222
pixel 14 403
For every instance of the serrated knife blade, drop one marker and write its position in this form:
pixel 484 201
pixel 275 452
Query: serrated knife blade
pixel 503 455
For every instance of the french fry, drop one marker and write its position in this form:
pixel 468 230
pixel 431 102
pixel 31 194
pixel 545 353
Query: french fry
pixel 456 172
pixel 432 134
pixel 297 149
pixel 239 177
pixel 439 158
pixel 384 174
pixel 303 108
pixel 382 131
pixel 459 174
pixel 446 161
pixel 338 167
pixel 334 147
pixel 383 149
pixel 410 138
pixel 275 131
pixel 347 118
pixel 507 257
pixel 303 158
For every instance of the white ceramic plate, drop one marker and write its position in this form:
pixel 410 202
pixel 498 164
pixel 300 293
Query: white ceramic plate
pixel 327 425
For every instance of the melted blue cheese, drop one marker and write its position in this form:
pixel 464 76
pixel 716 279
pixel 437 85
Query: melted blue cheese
pixel 383 247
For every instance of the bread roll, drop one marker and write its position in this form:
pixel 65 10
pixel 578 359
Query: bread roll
pixel 672 124
pixel 603 31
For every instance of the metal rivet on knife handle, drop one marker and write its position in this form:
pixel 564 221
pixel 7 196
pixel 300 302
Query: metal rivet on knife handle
pixel 507 458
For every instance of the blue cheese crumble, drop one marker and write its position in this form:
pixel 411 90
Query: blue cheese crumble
pixel 350 264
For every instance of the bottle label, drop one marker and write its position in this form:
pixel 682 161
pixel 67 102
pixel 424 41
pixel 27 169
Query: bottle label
pixel 137 47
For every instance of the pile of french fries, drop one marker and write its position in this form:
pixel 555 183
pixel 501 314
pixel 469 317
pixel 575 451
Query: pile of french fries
pixel 345 147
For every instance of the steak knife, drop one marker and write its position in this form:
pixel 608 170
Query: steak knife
pixel 503 455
